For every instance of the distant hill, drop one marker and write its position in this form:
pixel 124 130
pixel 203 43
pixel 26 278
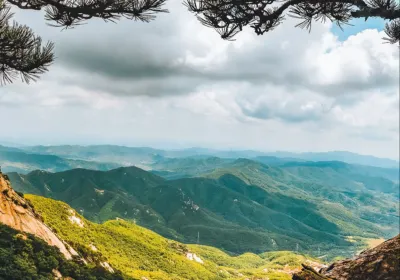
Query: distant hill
pixel 176 168
pixel 15 160
pixel 9 149
pixel 236 205
pixel 196 166
pixel 125 156
pixel 341 156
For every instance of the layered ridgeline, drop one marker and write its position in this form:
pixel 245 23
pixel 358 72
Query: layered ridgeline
pixel 325 209
pixel 16 160
pixel 115 250
pixel 145 156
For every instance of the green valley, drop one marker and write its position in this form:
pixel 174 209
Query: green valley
pixel 141 254
pixel 236 205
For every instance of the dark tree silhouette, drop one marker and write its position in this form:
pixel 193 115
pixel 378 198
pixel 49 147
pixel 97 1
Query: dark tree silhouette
pixel 23 54
pixel 229 17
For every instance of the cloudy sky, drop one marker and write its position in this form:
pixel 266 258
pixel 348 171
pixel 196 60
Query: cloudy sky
pixel 174 83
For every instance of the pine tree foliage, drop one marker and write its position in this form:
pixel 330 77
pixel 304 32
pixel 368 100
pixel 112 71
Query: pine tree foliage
pixel 67 13
pixel 229 17
pixel 23 54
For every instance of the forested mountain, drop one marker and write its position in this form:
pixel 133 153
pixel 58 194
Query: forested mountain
pixel 236 205
pixel 327 209
pixel 41 238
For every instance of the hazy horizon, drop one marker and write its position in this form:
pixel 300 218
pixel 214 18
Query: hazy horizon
pixel 172 147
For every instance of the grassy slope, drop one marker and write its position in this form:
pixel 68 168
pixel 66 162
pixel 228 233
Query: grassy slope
pixel 139 252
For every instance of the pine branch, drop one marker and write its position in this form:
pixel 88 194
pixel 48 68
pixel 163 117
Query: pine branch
pixel 67 13
pixel 21 52
pixel 392 31
pixel 228 17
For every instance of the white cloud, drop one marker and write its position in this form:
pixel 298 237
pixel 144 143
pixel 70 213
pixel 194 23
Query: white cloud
pixel 174 80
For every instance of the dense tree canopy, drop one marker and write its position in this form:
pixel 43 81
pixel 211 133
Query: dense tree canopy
pixel 24 256
pixel 22 53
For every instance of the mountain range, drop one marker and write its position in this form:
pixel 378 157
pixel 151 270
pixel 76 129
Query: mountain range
pixel 237 205
pixel 103 157
pixel 16 160
pixel 209 214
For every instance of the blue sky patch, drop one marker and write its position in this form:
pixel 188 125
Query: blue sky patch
pixel 358 26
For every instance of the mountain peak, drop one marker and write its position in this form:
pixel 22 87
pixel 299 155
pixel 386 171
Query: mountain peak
pixel 17 213
pixel 245 162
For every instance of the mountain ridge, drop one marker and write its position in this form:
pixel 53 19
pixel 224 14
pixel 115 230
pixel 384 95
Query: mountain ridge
pixel 15 160
pixel 125 154
pixel 234 198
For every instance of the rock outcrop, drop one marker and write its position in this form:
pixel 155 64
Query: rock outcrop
pixel 16 212
pixel 379 263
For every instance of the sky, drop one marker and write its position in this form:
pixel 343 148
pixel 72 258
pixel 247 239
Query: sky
pixel 174 83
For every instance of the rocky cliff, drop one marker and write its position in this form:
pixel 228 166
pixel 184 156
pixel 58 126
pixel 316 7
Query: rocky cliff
pixel 379 263
pixel 16 212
